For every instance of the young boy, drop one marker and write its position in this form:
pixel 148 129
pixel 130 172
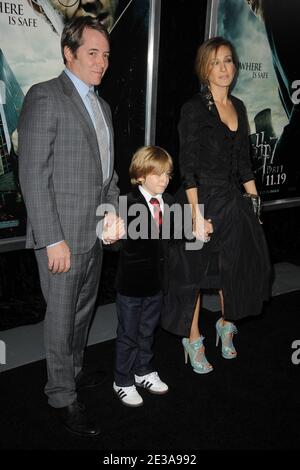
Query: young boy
pixel 140 280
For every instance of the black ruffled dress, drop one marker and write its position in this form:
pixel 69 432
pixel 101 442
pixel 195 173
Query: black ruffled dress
pixel 216 161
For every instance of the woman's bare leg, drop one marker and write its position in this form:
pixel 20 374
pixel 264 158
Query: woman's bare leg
pixel 222 305
pixel 224 322
pixel 195 333
pixel 227 338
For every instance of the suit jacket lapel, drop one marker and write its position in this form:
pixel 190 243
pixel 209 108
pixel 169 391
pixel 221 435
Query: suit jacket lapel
pixel 83 116
pixel 241 115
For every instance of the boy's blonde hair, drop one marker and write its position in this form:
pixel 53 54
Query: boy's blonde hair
pixel 149 160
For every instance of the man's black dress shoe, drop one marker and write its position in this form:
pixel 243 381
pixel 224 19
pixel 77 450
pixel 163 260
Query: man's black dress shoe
pixel 90 379
pixel 75 419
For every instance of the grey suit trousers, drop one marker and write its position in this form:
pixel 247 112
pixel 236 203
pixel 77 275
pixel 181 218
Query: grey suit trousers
pixel 70 299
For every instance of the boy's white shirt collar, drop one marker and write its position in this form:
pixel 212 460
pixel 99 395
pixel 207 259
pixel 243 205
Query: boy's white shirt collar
pixel 149 196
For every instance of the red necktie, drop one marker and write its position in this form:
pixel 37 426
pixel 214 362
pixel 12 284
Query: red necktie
pixel 157 211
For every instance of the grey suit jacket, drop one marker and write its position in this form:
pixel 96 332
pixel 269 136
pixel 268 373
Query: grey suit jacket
pixel 60 166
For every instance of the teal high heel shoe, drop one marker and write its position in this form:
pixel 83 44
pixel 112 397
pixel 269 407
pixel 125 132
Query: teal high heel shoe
pixel 226 332
pixel 195 351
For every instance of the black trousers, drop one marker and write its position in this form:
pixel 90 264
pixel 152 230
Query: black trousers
pixel 138 318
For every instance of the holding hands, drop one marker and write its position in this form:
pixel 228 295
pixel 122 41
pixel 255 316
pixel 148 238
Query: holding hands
pixel 202 228
pixel 113 228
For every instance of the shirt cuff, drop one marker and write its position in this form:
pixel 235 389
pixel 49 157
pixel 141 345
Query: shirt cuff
pixel 53 244
pixel 247 177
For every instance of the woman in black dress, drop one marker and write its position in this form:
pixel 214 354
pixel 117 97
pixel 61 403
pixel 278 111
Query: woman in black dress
pixel 214 165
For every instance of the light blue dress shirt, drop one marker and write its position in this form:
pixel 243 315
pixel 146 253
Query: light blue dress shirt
pixel 82 89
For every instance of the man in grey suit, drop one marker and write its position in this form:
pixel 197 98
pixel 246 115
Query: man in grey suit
pixel 66 172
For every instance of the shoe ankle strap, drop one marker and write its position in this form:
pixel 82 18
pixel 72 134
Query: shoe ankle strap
pixel 198 342
pixel 230 328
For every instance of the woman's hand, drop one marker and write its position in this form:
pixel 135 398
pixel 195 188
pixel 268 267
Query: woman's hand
pixel 202 228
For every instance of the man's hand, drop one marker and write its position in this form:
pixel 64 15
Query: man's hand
pixel 59 258
pixel 113 228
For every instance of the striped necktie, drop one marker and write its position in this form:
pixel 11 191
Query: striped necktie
pixel 157 211
pixel 101 132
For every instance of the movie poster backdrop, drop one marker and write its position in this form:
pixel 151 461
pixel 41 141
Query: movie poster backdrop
pixel 30 53
pixel 266 35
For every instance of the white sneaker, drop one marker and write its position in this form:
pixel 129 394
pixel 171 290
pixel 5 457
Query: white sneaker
pixel 129 396
pixel 152 383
